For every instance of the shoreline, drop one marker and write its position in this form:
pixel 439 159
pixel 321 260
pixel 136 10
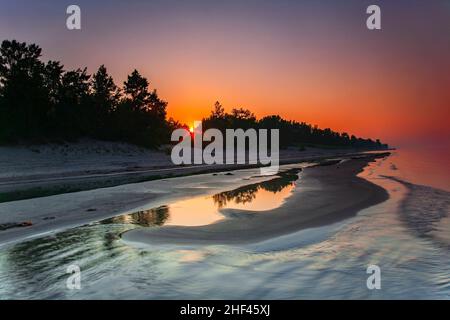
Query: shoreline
pixel 28 176
pixel 326 194
pixel 56 213
pixel 53 214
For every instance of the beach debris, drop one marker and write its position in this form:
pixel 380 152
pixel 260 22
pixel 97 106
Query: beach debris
pixel 10 225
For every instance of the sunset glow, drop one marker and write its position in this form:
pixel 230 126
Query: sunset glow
pixel 304 60
pixel 217 159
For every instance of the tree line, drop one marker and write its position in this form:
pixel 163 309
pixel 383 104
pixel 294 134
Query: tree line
pixel 292 133
pixel 42 102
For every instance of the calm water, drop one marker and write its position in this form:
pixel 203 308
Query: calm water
pixel 198 211
pixel 406 236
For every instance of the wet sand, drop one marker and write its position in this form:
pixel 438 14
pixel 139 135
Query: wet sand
pixel 325 194
pixel 53 214
pixel 56 213
pixel 52 169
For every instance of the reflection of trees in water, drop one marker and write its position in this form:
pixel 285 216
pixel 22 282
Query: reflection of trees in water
pixel 34 262
pixel 158 216
pixel 31 265
pixel 247 193
pixel 241 195
pixel 146 218
pixel 38 265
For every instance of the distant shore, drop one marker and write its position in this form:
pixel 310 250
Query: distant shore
pixel 325 194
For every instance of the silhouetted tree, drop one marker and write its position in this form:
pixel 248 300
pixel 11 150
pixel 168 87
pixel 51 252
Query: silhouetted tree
pixel 292 133
pixel 105 98
pixel 43 101
pixel 219 111
pixel 74 112
pixel 141 115
pixel 24 97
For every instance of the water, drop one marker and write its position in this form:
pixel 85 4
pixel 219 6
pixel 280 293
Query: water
pixel 406 236
pixel 257 197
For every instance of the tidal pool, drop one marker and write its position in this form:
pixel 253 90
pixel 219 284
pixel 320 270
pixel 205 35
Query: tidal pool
pixel 203 210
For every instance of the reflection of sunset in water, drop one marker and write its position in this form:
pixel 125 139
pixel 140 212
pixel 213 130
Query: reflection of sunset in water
pixel 424 165
pixel 203 210
pixel 264 200
pixel 193 212
pixel 408 235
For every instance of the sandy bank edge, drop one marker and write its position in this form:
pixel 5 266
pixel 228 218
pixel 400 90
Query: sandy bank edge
pixel 326 194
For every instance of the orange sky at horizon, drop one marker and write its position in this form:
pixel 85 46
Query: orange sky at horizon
pixel 389 85
pixel 309 61
pixel 357 103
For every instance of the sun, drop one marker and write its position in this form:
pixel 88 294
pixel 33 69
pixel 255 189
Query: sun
pixel 191 129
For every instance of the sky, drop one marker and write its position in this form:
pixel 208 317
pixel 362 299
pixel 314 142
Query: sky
pixel 312 61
